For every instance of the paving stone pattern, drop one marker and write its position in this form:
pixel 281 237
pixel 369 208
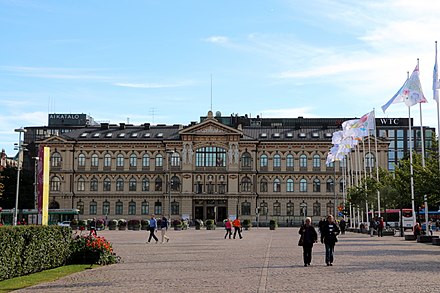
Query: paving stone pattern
pixel 263 261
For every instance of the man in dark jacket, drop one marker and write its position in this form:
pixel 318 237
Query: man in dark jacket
pixel 328 236
pixel 309 236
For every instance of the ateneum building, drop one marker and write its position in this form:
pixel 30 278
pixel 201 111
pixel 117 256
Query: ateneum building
pixel 253 168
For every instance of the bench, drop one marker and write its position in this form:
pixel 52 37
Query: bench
pixel 410 237
pixel 425 238
pixel 436 241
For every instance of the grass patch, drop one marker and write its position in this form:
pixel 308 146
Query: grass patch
pixel 40 277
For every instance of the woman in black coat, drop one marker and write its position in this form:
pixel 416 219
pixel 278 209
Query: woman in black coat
pixel 309 236
pixel 328 236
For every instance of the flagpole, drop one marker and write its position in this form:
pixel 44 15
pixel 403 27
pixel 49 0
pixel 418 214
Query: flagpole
pixel 411 167
pixel 377 163
pixel 435 94
pixel 421 129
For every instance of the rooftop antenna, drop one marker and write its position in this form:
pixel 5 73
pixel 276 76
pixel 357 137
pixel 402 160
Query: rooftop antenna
pixel 128 120
pixel 152 113
pixel 211 92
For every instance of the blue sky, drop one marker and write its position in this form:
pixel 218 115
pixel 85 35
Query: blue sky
pixel 152 61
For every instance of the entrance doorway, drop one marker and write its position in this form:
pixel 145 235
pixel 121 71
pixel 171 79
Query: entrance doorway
pixel 210 209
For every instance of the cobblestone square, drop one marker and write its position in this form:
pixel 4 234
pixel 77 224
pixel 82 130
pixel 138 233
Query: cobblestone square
pixel 263 261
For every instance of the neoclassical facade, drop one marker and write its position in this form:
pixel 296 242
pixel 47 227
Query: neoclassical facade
pixel 206 170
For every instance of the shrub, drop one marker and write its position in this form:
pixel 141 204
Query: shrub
pixel 134 224
pixel 177 223
pixel 100 224
pixel 209 222
pixel 88 249
pixel 122 224
pixel 30 249
pixel 112 224
pixel 247 222
pixel 273 223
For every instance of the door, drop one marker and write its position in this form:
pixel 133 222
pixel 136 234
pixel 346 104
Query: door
pixel 221 214
pixel 210 213
pixel 198 213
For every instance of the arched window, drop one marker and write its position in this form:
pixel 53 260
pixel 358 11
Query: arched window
pixel 289 161
pixel 341 185
pixel 246 160
pixel 145 184
pixel 158 184
pixel 277 208
pixel 95 161
pixel 330 185
pixel 119 207
pixel 133 160
pixel 132 208
pixel 56 160
pixel 264 208
pixel 175 208
pixel 289 187
pixel 107 185
pixel 303 185
pixel 289 208
pixel 93 207
pixel 175 183
pixel 316 209
pixel 330 208
pixel 316 161
pixel 55 184
pixel 106 208
pixel 277 185
pixel 145 161
pixel 303 209
pixel 81 184
pixel 94 184
pixel 120 184
pixel 107 160
pixel 158 208
pixel 159 160
pixel 120 160
pixel 276 161
pixel 210 157
pixel 81 160
pixel 175 159
pixel 132 184
pixel 263 160
pixel 246 208
pixel 316 185
pixel 369 160
pixel 303 161
pixel 80 207
pixel 246 185
pixel 145 208
pixel 263 185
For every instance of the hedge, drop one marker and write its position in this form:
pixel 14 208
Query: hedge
pixel 30 249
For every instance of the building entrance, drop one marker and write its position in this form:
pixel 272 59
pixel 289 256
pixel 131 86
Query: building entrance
pixel 210 209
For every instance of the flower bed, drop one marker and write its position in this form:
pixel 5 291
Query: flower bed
pixel 92 250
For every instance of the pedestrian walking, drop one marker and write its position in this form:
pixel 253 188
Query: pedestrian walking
pixel 228 227
pixel 380 227
pixel 342 225
pixel 328 237
pixel 372 227
pixel 93 228
pixel 163 229
pixel 309 236
pixel 153 228
pixel 237 227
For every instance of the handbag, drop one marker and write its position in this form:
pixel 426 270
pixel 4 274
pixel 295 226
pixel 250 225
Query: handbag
pixel 301 241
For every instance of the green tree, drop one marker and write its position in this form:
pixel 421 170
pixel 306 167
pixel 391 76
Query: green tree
pixel 9 180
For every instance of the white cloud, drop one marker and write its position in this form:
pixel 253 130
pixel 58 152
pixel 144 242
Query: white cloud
pixel 217 39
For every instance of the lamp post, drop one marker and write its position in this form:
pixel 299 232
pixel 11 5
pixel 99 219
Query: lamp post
pixel 20 161
pixel 170 155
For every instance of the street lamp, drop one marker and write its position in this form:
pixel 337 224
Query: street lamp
pixel 20 161
pixel 170 154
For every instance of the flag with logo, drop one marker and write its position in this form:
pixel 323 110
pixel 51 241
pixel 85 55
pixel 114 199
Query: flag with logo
pixel 410 93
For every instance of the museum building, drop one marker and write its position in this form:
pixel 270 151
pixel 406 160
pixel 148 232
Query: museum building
pixel 255 168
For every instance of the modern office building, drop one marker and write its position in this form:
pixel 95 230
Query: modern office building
pixel 256 168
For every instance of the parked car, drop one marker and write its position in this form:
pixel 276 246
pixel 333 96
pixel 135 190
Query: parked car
pixel 64 223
